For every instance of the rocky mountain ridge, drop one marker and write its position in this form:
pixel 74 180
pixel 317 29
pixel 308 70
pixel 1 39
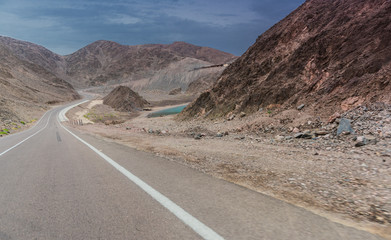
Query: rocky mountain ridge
pixel 141 67
pixel 328 55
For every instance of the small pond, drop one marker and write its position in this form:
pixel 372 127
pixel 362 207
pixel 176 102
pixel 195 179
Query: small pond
pixel 168 111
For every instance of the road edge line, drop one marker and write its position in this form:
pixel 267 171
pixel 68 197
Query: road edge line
pixel 9 149
pixel 195 224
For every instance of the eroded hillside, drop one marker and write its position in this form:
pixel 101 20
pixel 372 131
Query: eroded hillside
pixel 329 55
pixel 27 89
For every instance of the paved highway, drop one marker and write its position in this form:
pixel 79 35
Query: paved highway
pixel 57 183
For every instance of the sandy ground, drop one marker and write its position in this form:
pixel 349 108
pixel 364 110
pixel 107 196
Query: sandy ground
pixel 328 176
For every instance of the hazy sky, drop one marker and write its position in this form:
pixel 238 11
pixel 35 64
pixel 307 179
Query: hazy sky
pixel 65 26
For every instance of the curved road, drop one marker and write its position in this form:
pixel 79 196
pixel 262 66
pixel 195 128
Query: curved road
pixel 57 183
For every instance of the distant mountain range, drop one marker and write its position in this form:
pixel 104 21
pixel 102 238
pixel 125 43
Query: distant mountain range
pixel 328 55
pixel 151 66
pixel 31 76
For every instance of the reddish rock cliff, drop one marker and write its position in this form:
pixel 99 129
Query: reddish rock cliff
pixel 330 55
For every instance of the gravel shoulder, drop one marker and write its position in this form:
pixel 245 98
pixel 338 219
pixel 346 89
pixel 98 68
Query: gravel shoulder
pixel 326 174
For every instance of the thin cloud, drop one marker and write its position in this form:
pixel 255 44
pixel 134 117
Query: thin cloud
pixel 123 19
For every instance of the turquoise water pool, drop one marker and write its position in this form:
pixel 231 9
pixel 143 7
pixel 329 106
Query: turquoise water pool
pixel 168 111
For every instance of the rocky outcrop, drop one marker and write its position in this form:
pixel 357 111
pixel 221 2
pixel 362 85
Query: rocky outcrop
pixel 125 100
pixel 175 91
pixel 329 55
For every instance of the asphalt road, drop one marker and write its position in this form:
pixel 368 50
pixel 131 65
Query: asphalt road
pixel 54 186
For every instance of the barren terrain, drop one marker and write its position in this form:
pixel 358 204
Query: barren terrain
pixel 326 173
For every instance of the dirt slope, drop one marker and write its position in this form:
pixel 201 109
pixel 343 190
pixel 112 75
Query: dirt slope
pixel 328 55
pixel 26 88
pixel 124 99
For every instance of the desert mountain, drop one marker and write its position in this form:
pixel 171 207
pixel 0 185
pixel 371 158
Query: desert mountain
pixel 124 99
pixel 328 55
pixel 26 87
pixel 142 67
pixel 152 66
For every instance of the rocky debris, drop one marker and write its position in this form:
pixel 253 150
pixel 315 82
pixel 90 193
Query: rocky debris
pixel 333 117
pixel 113 122
pixel 295 130
pixel 371 119
pixel 198 136
pixel 124 99
pixel 175 91
pixel 344 127
pixel 364 140
pixel 156 132
pixel 360 141
pixel 303 135
pixel 242 114
pixel 320 132
pixel 231 117
pixel 300 107
pixel 321 169
pixel 279 138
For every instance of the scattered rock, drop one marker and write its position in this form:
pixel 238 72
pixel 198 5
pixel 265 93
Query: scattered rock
pixel 288 137
pixel 371 139
pixel 295 130
pixel 242 114
pixel 360 141
pixel 198 136
pixel 303 135
pixel 344 127
pixel 219 135
pixel 321 132
pixel 231 117
pixel 279 138
pixel 175 91
pixel 300 107
pixel 333 117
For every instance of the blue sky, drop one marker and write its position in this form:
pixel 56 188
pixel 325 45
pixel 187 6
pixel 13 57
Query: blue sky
pixel 65 26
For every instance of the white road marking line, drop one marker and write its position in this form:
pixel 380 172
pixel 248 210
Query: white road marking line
pixel 36 124
pixel 61 115
pixel 9 149
pixel 200 228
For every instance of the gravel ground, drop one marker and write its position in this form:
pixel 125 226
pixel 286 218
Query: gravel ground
pixel 291 156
